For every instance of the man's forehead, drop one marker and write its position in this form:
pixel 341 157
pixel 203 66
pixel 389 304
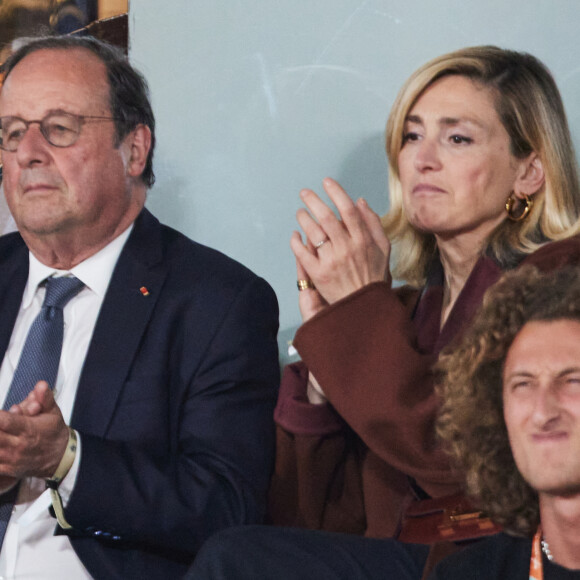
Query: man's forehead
pixel 545 344
pixel 52 79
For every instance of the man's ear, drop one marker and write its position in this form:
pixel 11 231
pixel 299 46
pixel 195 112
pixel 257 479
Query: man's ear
pixel 138 143
pixel 530 178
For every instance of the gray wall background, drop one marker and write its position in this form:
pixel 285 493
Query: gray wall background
pixel 256 99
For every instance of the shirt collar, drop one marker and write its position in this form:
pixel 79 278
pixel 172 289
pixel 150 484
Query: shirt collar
pixel 95 272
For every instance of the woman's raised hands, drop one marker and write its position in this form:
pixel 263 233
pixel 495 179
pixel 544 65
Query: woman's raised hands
pixel 340 255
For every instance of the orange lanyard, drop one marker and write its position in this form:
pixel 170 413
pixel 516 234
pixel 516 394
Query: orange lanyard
pixel 536 567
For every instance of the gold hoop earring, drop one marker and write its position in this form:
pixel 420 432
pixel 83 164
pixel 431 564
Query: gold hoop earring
pixel 509 205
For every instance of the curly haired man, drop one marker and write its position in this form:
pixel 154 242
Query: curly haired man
pixel 511 418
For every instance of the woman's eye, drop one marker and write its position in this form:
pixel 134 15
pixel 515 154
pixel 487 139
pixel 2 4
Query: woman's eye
pixel 410 136
pixel 460 139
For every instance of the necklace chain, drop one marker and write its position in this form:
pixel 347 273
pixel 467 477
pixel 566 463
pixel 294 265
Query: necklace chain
pixel 546 550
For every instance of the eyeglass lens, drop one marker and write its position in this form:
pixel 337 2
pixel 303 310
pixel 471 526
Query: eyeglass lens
pixel 59 129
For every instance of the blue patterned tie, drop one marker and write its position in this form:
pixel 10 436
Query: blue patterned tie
pixel 39 359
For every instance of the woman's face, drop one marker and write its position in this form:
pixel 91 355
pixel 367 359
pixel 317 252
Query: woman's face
pixel 455 165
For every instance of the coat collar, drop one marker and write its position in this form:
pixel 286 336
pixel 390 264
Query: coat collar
pixel 430 337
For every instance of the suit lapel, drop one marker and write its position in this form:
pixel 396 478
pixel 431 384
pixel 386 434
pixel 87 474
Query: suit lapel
pixel 123 318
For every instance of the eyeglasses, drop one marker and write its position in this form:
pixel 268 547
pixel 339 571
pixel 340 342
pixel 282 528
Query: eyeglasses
pixel 59 129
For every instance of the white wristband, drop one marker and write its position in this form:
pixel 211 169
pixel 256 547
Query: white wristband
pixel 63 468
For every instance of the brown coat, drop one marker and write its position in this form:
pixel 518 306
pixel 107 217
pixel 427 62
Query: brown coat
pixel 347 465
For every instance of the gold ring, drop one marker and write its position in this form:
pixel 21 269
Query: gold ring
pixel 304 285
pixel 320 243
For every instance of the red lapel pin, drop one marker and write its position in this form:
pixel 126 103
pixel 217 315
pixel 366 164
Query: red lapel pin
pixel 144 291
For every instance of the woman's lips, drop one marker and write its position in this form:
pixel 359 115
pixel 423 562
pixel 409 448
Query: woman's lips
pixel 426 188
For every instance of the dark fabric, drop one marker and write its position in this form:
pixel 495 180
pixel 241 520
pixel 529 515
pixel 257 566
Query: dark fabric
pixel 174 404
pixel 500 557
pixel 346 465
pixel 261 552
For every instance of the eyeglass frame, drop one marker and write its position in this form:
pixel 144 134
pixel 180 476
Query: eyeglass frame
pixel 82 119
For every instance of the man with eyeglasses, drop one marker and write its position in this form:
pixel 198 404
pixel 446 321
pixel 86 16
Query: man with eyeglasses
pixel 139 368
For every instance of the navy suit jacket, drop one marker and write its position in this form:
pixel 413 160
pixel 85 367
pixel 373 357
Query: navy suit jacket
pixel 174 403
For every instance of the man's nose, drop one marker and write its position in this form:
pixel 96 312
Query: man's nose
pixel 33 146
pixel 546 405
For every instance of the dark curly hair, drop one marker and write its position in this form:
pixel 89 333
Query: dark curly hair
pixel 128 90
pixel 471 421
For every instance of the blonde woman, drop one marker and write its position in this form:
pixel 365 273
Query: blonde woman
pixel 483 178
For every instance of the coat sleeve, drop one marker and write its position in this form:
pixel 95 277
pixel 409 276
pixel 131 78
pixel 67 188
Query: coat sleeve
pixel 317 474
pixel 207 462
pixel 362 351
pixel 380 391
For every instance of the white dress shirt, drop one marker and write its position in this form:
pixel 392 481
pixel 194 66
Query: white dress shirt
pixel 30 550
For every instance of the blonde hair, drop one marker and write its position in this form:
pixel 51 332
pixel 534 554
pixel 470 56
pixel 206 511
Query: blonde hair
pixel 530 108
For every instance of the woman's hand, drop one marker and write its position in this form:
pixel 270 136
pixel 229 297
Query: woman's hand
pixel 310 300
pixel 340 255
